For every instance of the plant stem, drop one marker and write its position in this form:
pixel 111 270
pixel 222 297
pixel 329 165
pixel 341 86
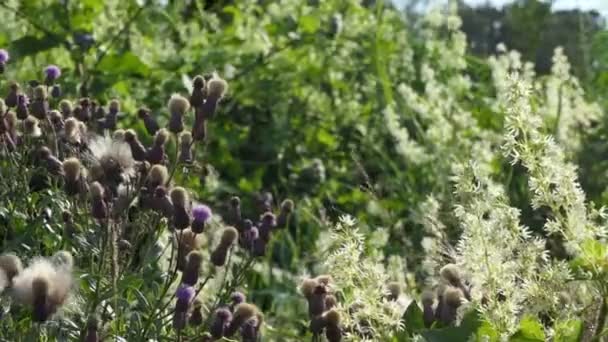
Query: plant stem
pixel 601 319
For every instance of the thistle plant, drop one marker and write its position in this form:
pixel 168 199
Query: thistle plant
pixel 120 202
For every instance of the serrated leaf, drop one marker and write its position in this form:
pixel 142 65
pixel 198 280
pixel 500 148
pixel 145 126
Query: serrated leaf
pixel 469 326
pixel 126 63
pixel 309 23
pixel 568 331
pixel 530 330
pixel 413 318
pixel 30 45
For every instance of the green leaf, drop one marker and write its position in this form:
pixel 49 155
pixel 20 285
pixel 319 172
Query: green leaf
pixel 469 326
pixel 413 318
pixel 309 23
pixel 568 331
pixel 126 63
pixel 487 333
pixel 530 330
pixel 30 45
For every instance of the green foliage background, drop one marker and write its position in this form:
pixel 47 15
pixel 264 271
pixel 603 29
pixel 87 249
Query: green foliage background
pixel 303 119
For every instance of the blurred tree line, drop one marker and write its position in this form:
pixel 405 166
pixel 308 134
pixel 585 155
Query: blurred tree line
pixel 534 29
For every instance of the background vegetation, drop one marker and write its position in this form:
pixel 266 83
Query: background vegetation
pixel 324 99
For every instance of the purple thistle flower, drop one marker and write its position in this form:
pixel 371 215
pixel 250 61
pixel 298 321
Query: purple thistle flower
pixel 237 298
pixel 4 56
pixel 185 293
pixel 23 100
pixel 201 213
pixel 52 72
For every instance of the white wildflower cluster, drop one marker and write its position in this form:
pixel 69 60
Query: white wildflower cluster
pixel 565 104
pixel 441 127
pixel 502 65
pixel 561 100
pixel 553 181
pixel 495 250
pixel 361 283
pixel 437 251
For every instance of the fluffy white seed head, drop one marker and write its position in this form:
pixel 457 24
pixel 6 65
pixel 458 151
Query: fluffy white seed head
pixel 216 88
pixel 72 168
pixel 179 196
pixel 178 105
pixel 158 174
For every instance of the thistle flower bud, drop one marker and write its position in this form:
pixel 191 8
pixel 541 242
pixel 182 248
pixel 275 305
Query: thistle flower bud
pixel 185 144
pixel 4 57
pixel 315 293
pixel 236 298
pixel 11 265
pixel 56 120
pixel 12 96
pixel 68 223
pixel 267 222
pixel 72 170
pixel 229 236
pixel 156 154
pixel 40 291
pixel 70 130
pixel 219 255
pixel 234 216
pixel 83 111
pixel 114 106
pixel 249 236
pixel 92 331
pixel 138 151
pixel 99 113
pixel 201 214
pixel 124 245
pixel 452 297
pixel 330 302
pixel 52 73
pixel 31 127
pixel 162 202
pixel 428 314
pixel 220 323
pixel 394 290
pixel 250 330
pixel 53 165
pixel 40 93
pixel 178 106
pixel 179 197
pixel 99 209
pixel 287 208
pixel 65 106
pixel 197 98
pixel 450 273
pixel 194 261
pixel 149 122
pixel 157 176
pixel 118 135
pixel 196 317
pixel 56 91
pixel 199 127
pixel 333 332
pixel 242 313
pixel 324 279
pixel 216 88
pixel 187 242
pixel 22 107
pixel 184 295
